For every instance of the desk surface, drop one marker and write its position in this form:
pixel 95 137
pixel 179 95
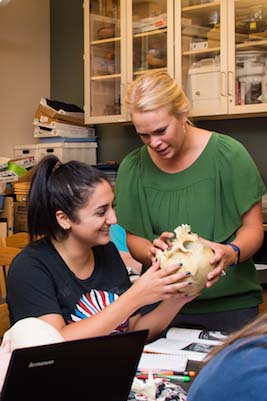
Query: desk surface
pixel 191 365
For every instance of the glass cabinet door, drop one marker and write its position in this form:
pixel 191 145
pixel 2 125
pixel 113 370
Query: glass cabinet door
pixel 151 33
pixel 201 54
pixel 247 56
pixel 103 60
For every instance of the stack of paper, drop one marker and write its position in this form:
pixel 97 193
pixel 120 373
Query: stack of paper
pixel 61 111
pixel 58 119
pixel 150 361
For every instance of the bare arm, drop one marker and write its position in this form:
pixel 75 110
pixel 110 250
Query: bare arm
pixel 139 248
pixel 161 316
pixel 144 250
pixel 249 238
pixel 130 262
pixel 153 286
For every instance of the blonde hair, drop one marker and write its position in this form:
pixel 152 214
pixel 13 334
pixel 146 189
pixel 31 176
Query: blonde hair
pixel 155 89
pixel 254 329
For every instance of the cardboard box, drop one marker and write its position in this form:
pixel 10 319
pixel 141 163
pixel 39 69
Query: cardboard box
pixel 3 227
pixel 20 217
pixel 146 9
pixel 8 213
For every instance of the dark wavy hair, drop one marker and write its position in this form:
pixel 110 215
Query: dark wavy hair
pixel 59 186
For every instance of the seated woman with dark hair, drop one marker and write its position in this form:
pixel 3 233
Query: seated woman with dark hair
pixel 73 277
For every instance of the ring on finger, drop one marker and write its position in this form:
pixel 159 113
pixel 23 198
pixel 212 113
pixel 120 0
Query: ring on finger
pixel 223 273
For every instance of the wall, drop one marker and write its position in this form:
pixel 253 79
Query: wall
pixel 115 141
pixel 67 51
pixel 24 69
pixel 251 132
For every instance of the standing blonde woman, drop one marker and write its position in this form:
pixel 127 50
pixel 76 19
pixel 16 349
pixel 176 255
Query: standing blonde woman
pixel 187 175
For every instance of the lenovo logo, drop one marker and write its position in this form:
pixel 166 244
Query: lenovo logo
pixel 41 363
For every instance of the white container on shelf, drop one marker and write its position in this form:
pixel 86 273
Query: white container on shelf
pixel 204 85
pixel 65 151
pixel 20 151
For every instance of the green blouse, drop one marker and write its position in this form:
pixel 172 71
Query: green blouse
pixel 211 196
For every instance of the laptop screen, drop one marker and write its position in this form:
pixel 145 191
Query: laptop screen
pixel 93 369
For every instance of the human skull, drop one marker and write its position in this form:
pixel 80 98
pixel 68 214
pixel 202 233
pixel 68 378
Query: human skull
pixel 194 256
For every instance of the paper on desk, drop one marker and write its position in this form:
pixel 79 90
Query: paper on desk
pixel 162 362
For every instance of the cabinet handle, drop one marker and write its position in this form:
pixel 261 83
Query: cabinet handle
pixel 230 83
pixel 223 84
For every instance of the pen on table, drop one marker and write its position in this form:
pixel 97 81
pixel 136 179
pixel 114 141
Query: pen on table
pixel 155 372
pixel 179 378
pixel 190 373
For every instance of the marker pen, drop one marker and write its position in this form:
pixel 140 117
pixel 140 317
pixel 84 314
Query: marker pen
pixel 180 378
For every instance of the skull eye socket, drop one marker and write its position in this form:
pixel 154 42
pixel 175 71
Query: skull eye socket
pixel 188 244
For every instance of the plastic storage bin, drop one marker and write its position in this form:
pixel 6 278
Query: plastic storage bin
pixel 65 151
pixel 204 85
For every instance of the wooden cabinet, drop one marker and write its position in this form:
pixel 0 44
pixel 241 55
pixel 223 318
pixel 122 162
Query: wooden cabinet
pixel 104 60
pixel 122 39
pixel 247 56
pixel 201 54
pixel 221 56
pixel 216 50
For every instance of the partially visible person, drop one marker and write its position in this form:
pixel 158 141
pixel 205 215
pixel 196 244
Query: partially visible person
pixel 71 276
pixel 118 237
pixel 187 175
pixel 27 332
pixel 237 369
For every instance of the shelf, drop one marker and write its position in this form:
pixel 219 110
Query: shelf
pixel 200 10
pixel 154 69
pixel 149 33
pixel 202 51
pixel 104 41
pixel 251 44
pixel 105 77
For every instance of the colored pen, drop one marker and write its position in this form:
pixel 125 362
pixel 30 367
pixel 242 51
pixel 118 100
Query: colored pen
pixel 144 374
pixel 190 373
pixel 179 378
pixel 156 371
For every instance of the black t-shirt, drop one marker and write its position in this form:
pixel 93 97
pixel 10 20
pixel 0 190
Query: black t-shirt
pixel 39 283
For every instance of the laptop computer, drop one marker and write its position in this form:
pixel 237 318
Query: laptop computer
pixel 93 369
